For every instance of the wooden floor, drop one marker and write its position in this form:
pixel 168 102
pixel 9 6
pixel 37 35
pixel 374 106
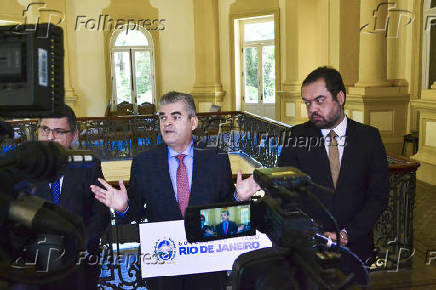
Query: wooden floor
pixel 419 276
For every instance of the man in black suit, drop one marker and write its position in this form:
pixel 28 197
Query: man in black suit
pixel 168 178
pixel 341 154
pixel 226 227
pixel 72 192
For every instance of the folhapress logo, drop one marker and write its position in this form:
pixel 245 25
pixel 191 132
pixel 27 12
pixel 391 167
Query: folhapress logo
pixel 55 17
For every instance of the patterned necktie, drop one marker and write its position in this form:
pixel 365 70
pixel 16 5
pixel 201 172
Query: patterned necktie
pixel 56 191
pixel 335 166
pixel 182 185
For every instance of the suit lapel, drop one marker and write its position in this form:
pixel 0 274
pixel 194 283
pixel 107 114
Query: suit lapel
pixel 163 173
pixel 321 157
pixel 68 185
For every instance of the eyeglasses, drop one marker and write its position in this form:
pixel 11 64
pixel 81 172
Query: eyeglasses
pixel 57 132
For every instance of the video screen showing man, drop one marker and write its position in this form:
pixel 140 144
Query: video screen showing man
pixel 225 222
pixel 226 227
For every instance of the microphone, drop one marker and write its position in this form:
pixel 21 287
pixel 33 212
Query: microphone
pixel 41 160
pixel 37 160
pixel 326 242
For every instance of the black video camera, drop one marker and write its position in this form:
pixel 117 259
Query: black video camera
pixel 300 257
pixel 32 85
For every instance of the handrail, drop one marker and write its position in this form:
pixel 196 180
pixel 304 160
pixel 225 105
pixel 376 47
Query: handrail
pixel 396 163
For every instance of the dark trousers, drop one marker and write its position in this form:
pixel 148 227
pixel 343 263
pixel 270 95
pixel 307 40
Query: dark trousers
pixel 206 281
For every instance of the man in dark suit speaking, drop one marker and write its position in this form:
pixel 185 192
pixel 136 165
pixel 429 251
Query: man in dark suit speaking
pixel 343 155
pixel 72 193
pixel 168 178
pixel 226 227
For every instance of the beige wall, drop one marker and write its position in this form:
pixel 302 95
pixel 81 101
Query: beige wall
pixel 11 10
pixel 176 45
pixel 87 63
pixel 313 42
pixel 224 32
pixel 343 38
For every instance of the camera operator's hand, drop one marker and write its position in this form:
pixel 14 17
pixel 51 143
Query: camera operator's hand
pixel 110 196
pixel 332 236
pixel 245 188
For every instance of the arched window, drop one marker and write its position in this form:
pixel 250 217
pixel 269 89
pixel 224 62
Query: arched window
pixel 133 71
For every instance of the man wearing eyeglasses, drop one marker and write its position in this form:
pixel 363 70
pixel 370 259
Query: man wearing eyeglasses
pixel 72 192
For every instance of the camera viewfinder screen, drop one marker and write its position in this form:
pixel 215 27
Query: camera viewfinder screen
pixel 225 221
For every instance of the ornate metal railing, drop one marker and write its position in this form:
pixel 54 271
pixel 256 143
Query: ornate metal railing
pixel 118 137
pixel 393 233
pixel 260 138
pixel 123 137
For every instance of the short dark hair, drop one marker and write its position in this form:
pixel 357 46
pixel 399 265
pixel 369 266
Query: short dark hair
pixel 225 211
pixel 332 78
pixel 67 112
pixel 173 97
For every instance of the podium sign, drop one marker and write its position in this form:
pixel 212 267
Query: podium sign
pixel 165 251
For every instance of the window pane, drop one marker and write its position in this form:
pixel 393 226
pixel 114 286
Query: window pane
pixel 131 38
pixel 268 71
pixel 259 31
pixel 432 69
pixel 122 76
pixel 143 77
pixel 251 79
pixel 433 3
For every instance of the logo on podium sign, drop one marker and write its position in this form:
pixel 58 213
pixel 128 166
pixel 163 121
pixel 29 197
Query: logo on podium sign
pixel 165 250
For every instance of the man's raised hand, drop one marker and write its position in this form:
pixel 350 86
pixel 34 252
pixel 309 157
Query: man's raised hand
pixel 110 196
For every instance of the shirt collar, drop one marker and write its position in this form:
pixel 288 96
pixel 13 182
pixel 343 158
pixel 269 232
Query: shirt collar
pixel 189 151
pixel 340 129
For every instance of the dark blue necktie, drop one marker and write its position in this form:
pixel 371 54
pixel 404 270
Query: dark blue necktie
pixel 56 191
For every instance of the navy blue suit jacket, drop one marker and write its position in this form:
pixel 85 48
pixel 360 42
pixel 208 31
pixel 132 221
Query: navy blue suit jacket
pixel 231 230
pixel 77 198
pixel 362 188
pixel 150 184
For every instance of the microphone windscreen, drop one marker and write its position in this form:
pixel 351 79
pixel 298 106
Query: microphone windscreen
pixel 41 160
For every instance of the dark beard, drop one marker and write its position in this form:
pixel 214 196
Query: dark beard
pixel 324 124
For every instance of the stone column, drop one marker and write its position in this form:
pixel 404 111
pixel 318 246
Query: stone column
pixel 289 107
pixel 207 89
pixel 372 53
pixel 374 100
